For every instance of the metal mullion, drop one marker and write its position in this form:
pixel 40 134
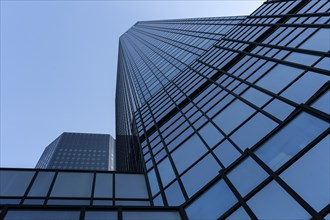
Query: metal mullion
pixel 323 212
pixel 29 187
pixel 51 187
pixel 82 213
pixel 285 186
pixel 93 188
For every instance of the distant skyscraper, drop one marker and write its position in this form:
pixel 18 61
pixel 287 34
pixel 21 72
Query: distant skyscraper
pixel 216 118
pixel 79 151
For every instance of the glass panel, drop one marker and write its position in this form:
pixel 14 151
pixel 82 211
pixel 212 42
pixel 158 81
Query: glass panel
pixel 67 202
pixel 131 186
pixel 151 215
pixel 13 182
pixel 279 109
pixel 101 215
pixel 305 87
pixel 239 214
pixel 41 184
pixel 166 172
pixel 158 201
pixel 318 41
pixel 323 103
pixel 227 153
pixel 250 172
pixel 290 140
pixel 200 174
pixel 42 215
pixel 34 201
pixel 153 182
pixel 188 153
pixel 233 115
pixel 133 203
pixel 253 131
pixel 309 176
pixel 71 184
pixel 213 203
pixel 174 195
pixel 272 202
pixel 103 185
pixel 102 202
pixel 9 201
pixel 277 78
pixel 210 134
pixel 256 97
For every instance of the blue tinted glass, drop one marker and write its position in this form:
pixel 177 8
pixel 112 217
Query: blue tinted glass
pixel 226 153
pixel 166 172
pixel 101 215
pixel 34 201
pixel 69 184
pixel 253 131
pixel 131 186
pixel 151 215
pixel 210 134
pixel 158 201
pixel 132 203
pixel 256 97
pixel 41 184
pixel 279 109
pixel 102 202
pixel 302 58
pixel 193 147
pixel 103 185
pixel 42 215
pixel 323 103
pixel 200 174
pixel 272 202
pixel 305 87
pixel 153 182
pixel 213 203
pixel 68 202
pixel 233 115
pixel 290 140
pixel 239 214
pixel 174 195
pixel 14 183
pixel 318 41
pixel 9 201
pixel 250 172
pixel 315 165
pixel 277 78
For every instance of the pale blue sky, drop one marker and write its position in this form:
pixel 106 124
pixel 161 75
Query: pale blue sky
pixel 58 65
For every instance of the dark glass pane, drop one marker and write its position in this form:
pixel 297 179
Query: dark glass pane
pixel 102 202
pixel 131 186
pixel 14 183
pixel 42 215
pixel 133 203
pixel 34 201
pixel 101 215
pixel 67 202
pixel 103 185
pixel 151 215
pixel 41 184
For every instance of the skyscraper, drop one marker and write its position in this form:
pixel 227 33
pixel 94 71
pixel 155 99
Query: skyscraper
pixel 216 118
pixel 79 151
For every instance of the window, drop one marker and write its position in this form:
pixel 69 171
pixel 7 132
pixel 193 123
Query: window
pixel 14 183
pixel 153 182
pixel 41 215
pixel 41 184
pixel 174 195
pixel 290 140
pixel 103 185
pixel 226 153
pixel 131 186
pixel 72 184
pixel 151 215
pixel 318 41
pixel 312 172
pixel 210 134
pixel 166 172
pixel 322 103
pixel 101 215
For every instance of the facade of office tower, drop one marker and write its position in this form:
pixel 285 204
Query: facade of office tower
pixel 79 151
pixel 216 118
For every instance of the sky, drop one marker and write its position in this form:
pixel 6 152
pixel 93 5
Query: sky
pixel 59 65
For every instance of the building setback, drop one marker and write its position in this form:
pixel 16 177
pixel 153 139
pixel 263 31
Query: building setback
pixel 79 151
pixel 216 118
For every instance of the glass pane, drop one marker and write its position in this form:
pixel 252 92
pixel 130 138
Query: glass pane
pixel 9 201
pixel 239 214
pixel 174 195
pixel 290 140
pixel 227 153
pixel 151 215
pixel 233 115
pixel 318 41
pixel 279 109
pixel 323 103
pixel 41 184
pixel 68 202
pixel 158 201
pixel 250 172
pixel 153 182
pixel 72 184
pixel 14 183
pixel 102 202
pixel 200 174
pixel 34 201
pixel 166 172
pixel 131 186
pixel 309 176
pixel 42 215
pixel 210 134
pixel 213 203
pixel 101 215
pixel 253 131
pixel 272 202
pixel 188 153
pixel 256 97
pixel 133 203
pixel 103 185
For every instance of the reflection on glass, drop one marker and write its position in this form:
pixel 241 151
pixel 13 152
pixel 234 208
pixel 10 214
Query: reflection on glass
pixel 14 183
pixel 131 186
pixel 213 203
pixel 290 140
pixel 72 184
pixel 309 176
pixel 272 202
pixel 103 185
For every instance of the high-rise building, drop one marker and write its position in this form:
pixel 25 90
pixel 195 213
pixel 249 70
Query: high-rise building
pixel 79 151
pixel 216 118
